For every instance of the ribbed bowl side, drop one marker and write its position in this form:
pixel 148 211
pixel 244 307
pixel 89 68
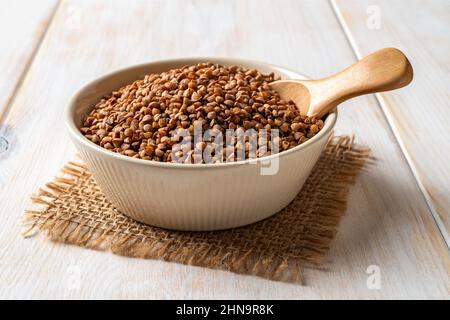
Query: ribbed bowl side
pixel 191 198
pixel 200 198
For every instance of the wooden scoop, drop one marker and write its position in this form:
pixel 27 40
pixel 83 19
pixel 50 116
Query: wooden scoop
pixel 383 70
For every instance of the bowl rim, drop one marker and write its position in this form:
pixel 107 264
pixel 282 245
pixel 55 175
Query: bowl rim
pixel 76 133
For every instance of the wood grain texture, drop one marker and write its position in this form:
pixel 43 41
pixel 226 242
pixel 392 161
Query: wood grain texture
pixel 387 224
pixel 383 70
pixel 23 23
pixel 419 114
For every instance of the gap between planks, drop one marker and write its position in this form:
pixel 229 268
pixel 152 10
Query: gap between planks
pixel 28 63
pixel 388 116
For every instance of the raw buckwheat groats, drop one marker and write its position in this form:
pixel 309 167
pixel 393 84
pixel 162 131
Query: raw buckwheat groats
pixel 198 114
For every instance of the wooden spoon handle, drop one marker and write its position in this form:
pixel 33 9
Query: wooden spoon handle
pixel 383 70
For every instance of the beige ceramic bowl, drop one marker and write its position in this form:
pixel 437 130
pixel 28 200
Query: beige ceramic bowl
pixel 193 196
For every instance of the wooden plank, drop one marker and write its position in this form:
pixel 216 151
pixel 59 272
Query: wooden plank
pixel 419 115
pixel 387 225
pixel 22 25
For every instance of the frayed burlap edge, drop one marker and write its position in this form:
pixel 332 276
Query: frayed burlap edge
pixel 278 266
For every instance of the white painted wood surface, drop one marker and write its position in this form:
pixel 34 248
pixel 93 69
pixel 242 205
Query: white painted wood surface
pixel 388 224
pixel 420 114
pixel 23 24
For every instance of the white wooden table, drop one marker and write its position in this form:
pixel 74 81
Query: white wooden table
pixel 397 226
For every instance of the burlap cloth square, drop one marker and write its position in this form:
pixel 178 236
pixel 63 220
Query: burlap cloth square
pixel 72 209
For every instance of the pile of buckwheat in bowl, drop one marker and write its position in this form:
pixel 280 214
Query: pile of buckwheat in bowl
pixel 204 113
